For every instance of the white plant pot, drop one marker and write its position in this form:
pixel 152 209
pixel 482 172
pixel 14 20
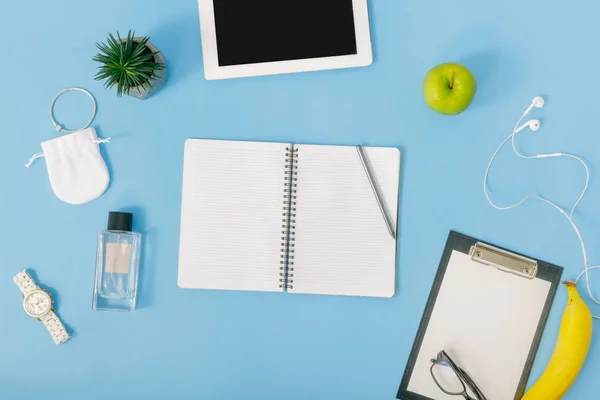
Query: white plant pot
pixel 144 91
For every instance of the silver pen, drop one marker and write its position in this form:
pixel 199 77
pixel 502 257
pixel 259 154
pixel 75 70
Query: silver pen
pixel 386 217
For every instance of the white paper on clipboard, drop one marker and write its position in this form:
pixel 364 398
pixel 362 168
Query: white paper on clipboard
pixel 488 321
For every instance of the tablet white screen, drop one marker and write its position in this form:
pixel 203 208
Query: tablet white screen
pixel 260 31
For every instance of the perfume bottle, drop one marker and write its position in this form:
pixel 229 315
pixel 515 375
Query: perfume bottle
pixel 117 264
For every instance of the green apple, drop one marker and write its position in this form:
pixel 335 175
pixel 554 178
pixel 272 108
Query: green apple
pixel 449 88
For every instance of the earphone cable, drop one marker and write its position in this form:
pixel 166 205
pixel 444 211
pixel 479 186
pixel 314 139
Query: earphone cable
pixel 558 208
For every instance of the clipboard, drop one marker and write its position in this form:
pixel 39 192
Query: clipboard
pixel 487 309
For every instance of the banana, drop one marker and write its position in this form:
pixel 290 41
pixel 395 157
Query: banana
pixel 570 351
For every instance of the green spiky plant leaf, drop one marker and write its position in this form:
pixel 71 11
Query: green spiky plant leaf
pixel 126 63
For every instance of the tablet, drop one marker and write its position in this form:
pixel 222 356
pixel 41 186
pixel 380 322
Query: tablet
pixel 262 37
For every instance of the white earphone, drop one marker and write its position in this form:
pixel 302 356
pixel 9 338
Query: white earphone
pixel 534 125
pixel 538 102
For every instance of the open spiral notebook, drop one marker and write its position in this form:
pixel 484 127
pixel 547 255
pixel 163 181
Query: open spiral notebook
pixel 281 217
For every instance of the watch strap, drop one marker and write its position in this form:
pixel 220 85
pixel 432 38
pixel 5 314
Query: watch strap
pixel 55 327
pixel 25 282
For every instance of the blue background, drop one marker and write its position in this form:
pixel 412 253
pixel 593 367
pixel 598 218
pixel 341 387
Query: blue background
pixel 184 344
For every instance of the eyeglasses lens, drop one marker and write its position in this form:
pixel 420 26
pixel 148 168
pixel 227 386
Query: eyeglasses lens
pixel 447 379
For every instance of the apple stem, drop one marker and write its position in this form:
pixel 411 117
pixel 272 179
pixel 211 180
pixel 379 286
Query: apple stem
pixel 452 80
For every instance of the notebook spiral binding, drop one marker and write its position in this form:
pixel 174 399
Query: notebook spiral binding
pixel 288 226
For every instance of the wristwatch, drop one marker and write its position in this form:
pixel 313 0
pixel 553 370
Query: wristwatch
pixel 38 304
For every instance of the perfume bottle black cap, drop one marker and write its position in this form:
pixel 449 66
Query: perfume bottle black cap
pixel 120 221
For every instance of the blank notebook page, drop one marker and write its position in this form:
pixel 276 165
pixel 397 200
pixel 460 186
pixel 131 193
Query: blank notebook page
pixel 342 245
pixel 231 215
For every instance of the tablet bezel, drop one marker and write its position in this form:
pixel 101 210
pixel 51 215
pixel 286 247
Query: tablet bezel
pixel 212 70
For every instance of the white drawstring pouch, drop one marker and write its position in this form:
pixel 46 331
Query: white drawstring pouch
pixel 76 169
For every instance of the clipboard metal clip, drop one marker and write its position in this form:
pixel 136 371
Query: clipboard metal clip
pixel 504 260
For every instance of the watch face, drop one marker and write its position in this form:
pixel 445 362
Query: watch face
pixel 37 303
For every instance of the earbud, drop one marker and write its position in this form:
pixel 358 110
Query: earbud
pixel 534 125
pixel 537 102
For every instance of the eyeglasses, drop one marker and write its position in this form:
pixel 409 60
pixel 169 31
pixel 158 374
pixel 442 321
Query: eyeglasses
pixel 453 380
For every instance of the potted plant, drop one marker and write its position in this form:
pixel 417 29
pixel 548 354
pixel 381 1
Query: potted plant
pixel 134 65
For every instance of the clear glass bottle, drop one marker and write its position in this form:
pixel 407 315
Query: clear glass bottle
pixel 117 264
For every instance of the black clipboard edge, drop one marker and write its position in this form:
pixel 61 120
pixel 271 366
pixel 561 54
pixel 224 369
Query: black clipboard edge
pixel 463 243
